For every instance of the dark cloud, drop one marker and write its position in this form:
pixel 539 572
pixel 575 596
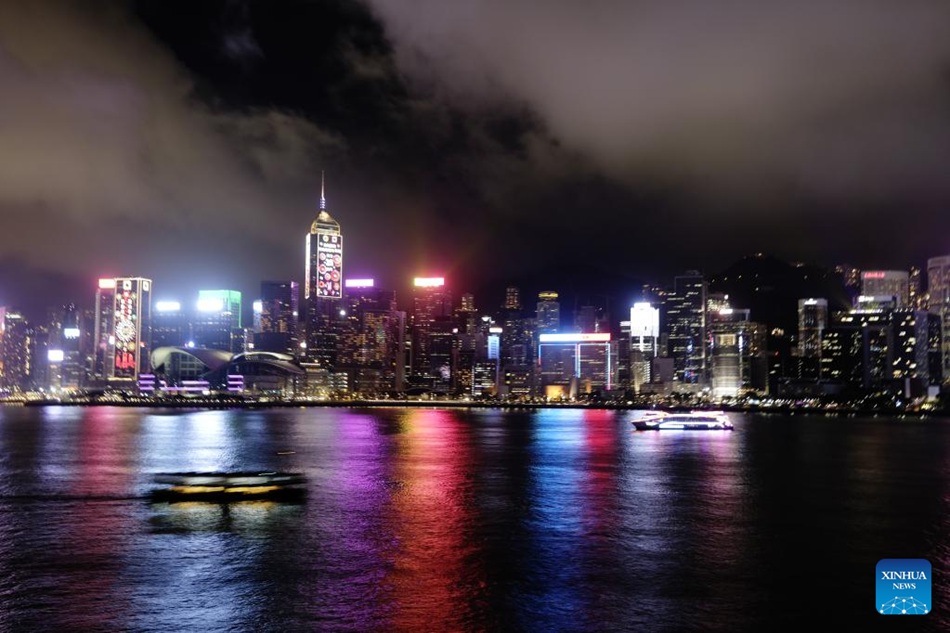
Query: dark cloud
pixel 555 142
pixel 843 99
pixel 104 141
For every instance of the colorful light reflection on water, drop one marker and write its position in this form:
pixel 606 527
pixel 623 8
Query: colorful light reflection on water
pixel 429 519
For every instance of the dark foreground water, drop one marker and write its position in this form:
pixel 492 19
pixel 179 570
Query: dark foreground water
pixel 430 520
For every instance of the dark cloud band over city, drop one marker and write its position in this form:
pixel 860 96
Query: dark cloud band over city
pixel 491 141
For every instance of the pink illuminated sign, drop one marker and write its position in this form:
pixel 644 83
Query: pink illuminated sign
pixel 428 282
pixel 358 283
pixel 576 338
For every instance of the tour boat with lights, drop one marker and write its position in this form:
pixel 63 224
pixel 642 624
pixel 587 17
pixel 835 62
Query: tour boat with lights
pixel 688 421
pixel 229 486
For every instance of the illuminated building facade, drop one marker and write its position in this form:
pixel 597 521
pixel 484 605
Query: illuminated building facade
pixel 104 339
pixel 548 313
pixel 812 322
pixel 517 341
pixel 581 362
pixel 278 317
pixel 643 332
pixel 884 283
pixel 323 287
pixel 430 328
pixel 916 295
pixel 217 321
pixel 938 293
pixel 15 352
pixel 686 323
pixel 66 362
pixel 371 338
pixel 170 326
pixel 738 361
pixel 883 348
pixel 130 343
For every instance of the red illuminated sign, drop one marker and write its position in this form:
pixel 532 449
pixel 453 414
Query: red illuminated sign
pixel 126 333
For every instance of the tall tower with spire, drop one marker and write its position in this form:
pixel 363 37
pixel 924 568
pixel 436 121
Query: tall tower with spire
pixel 323 291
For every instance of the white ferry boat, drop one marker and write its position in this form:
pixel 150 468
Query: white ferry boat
pixel 689 421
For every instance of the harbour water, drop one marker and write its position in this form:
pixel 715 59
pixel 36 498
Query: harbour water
pixel 467 520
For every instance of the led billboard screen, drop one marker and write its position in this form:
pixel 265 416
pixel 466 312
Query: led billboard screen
pixel 126 330
pixel 329 265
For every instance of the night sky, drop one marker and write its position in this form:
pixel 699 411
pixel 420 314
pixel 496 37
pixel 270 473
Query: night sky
pixel 547 143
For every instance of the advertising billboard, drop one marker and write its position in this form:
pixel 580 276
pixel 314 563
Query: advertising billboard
pixel 330 265
pixel 126 329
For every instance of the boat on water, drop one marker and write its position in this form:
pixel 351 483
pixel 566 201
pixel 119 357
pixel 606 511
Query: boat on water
pixel 229 486
pixel 688 421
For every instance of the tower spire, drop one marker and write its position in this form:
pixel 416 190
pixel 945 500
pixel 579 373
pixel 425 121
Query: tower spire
pixel 323 200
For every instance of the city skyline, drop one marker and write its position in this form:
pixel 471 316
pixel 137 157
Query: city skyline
pixel 188 144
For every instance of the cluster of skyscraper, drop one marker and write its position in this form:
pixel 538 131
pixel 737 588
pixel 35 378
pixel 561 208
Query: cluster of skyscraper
pixel 348 336
pixel 893 339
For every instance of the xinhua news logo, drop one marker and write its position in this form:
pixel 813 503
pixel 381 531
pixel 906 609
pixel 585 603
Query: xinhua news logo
pixel 903 586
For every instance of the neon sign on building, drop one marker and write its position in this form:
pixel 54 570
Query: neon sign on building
pixel 126 331
pixel 329 265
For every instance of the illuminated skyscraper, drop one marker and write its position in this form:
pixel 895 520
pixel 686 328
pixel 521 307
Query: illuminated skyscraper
pixel 278 317
pixel 918 298
pixel 15 352
pixel 131 331
pixel 323 289
pixel 371 346
pixel 548 313
pixel 812 323
pixel 217 321
pixel 686 323
pixel 644 340
pixel 736 357
pixel 887 283
pixel 512 298
pixel 938 291
pixel 431 332
pixel 574 363
pixel 104 339
pixel 64 354
pixel 883 347
pixel 169 325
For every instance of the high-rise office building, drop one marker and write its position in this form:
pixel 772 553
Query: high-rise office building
pixel 884 283
pixel 217 321
pixel 170 326
pixel 917 296
pixel 104 338
pixel 64 354
pixel 812 323
pixel 371 338
pixel 278 317
pixel 512 298
pixel 737 355
pixel 131 331
pixel 323 289
pixel 548 313
pixel 430 327
pixel 643 342
pixel 882 347
pixel 938 292
pixel 574 363
pixel 15 352
pixel 686 324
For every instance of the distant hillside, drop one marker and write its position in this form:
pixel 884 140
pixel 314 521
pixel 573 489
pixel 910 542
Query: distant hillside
pixel 770 288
